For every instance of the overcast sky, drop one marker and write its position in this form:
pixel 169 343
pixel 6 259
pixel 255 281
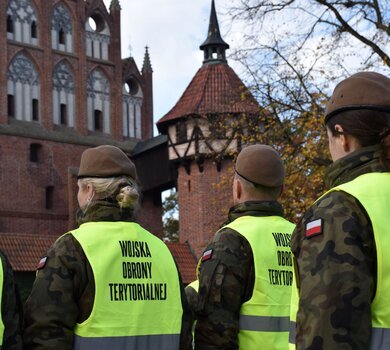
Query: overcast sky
pixel 173 31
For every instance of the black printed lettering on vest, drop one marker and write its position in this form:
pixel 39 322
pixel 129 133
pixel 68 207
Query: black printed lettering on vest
pixel 136 269
pixel 284 258
pixel 135 249
pixel 137 291
pixel 282 239
pixel 280 277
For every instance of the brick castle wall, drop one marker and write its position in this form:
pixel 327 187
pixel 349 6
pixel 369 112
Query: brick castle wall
pixel 204 200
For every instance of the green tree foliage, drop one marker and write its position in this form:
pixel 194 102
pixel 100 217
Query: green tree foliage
pixel 170 217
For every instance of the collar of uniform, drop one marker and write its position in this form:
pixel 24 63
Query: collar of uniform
pixel 363 161
pixel 255 208
pixel 104 210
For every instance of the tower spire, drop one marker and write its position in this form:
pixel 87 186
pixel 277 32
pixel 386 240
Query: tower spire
pixel 115 5
pixel 214 46
pixel 147 67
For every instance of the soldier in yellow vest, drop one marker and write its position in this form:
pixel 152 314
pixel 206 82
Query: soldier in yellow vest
pixel 10 320
pixel 342 244
pixel 246 272
pixel 109 284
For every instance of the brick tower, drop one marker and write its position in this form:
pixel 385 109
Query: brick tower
pixel 203 134
pixel 63 88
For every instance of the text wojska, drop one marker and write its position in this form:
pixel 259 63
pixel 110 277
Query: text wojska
pixel 135 249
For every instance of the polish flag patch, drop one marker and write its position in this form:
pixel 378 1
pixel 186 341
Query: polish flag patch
pixel 314 228
pixel 42 263
pixel 207 255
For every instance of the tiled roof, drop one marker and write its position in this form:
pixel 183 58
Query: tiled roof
pixel 25 250
pixel 215 88
pixel 185 260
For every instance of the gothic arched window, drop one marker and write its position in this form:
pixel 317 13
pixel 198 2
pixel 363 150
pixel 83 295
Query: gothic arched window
pixel 22 16
pixel 61 29
pixel 63 95
pixel 131 105
pixel 23 86
pixel 97 34
pixel 98 102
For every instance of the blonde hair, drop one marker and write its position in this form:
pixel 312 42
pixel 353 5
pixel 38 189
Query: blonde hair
pixel 123 189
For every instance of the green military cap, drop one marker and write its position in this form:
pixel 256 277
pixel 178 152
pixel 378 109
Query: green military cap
pixel 261 165
pixel 364 90
pixel 106 161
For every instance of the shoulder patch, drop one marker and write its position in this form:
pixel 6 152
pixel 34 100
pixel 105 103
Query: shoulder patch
pixel 42 263
pixel 314 228
pixel 207 255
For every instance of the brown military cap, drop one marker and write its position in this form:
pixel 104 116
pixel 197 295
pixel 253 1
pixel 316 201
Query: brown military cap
pixel 261 165
pixel 365 90
pixel 106 161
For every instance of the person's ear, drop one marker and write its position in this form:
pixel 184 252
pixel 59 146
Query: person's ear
pixel 238 189
pixel 343 139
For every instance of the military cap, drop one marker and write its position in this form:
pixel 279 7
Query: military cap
pixel 261 165
pixel 364 90
pixel 106 161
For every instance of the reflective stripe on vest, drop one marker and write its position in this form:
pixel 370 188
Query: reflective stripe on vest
pixel 372 190
pixel 1 298
pixel 264 318
pixel 150 342
pixel 137 288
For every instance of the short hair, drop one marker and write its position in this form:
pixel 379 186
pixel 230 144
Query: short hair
pixel 258 192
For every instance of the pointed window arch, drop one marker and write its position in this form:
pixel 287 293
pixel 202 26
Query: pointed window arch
pixel 62 29
pixel 24 22
pixel 24 87
pixel 132 98
pixel 98 36
pixel 63 95
pixel 98 90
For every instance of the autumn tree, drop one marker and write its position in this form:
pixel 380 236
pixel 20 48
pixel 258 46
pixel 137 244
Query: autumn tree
pixel 293 52
pixel 170 217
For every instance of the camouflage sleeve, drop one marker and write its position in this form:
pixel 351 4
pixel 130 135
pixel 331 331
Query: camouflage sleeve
pixel 336 275
pixel 10 309
pixel 53 307
pixel 186 321
pixel 225 274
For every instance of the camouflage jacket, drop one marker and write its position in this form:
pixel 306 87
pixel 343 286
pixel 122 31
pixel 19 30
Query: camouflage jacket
pixel 64 289
pixel 336 269
pixel 226 281
pixel 10 309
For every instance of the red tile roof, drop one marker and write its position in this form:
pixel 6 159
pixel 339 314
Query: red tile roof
pixel 215 88
pixel 185 260
pixel 25 250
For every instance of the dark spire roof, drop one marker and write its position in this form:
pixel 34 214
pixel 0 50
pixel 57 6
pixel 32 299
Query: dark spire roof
pixel 214 47
pixel 115 5
pixel 147 67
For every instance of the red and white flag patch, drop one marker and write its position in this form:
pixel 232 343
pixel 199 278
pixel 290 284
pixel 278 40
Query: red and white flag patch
pixel 314 228
pixel 207 255
pixel 42 263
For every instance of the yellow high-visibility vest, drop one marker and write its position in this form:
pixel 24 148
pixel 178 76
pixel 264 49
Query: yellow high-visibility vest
pixel 1 298
pixel 372 190
pixel 137 289
pixel 264 319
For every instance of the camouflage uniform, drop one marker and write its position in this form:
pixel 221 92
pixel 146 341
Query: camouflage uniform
pixel 63 291
pixel 226 280
pixel 10 309
pixel 337 269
